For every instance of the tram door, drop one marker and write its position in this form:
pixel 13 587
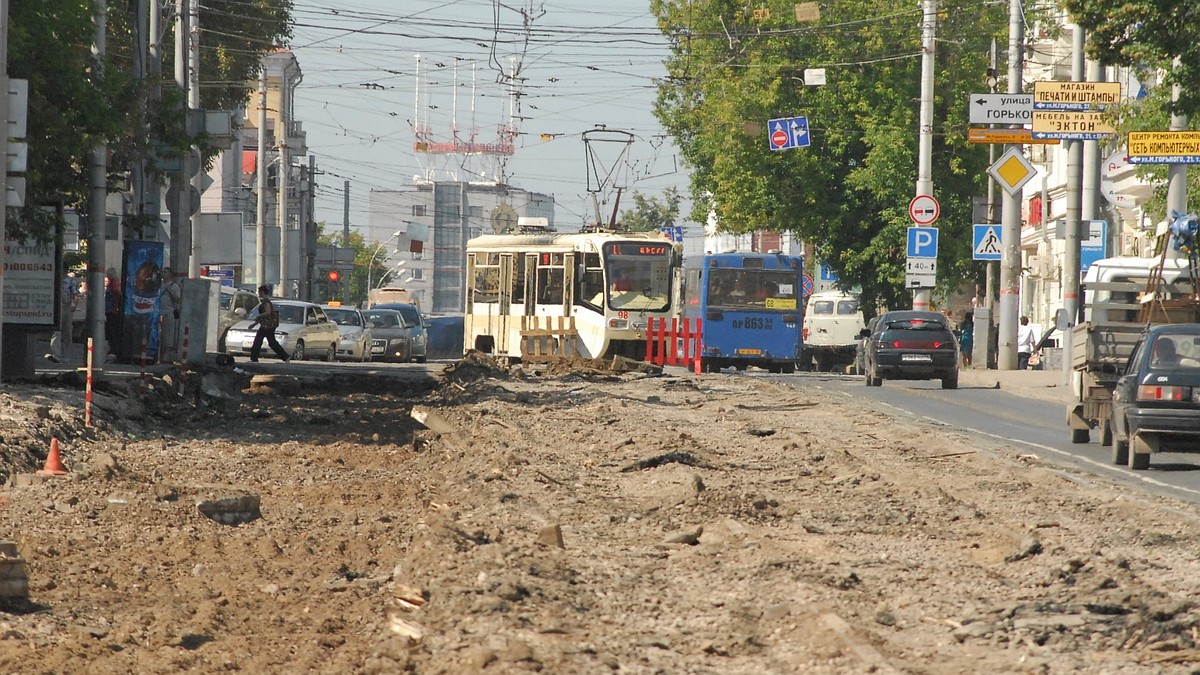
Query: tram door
pixel 506 315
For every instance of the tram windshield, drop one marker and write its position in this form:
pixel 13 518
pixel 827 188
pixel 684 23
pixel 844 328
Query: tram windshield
pixel 752 289
pixel 638 276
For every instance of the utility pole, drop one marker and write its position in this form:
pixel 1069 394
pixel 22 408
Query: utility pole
pixel 180 235
pixel 151 178
pixel 193 99
pixel 925 145
pixel 4 125
pixel 1176 173
pixel 1071 261
pixel 97 196
pixel 281 206
pixel 260 234
pixel 346 236
pixel 984 320
pixel 1010 227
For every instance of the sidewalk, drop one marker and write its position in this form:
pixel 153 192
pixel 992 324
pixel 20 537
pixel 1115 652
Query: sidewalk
pixel 1050 385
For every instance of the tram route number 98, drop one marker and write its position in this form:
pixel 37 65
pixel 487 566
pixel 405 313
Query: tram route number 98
pixel 753 323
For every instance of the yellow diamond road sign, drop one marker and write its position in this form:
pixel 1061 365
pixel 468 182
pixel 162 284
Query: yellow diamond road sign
pixel 1012 171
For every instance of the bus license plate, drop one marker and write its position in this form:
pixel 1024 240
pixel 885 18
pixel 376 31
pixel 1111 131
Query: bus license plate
pixel 918 358
pixel 749 352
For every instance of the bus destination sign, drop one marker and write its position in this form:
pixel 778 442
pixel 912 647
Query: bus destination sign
pixel 629 248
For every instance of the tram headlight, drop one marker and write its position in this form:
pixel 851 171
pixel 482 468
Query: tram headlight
pixel 618 323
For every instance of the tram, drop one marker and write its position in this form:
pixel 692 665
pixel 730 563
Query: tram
pixel 609 283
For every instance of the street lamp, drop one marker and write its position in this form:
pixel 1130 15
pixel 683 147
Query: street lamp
pixel 395 270
pixel 378 250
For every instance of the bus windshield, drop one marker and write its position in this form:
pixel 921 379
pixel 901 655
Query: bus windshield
pixel 639 276
pixel 757 289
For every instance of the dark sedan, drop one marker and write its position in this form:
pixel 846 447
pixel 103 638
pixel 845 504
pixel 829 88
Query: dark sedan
pixel 912 345
pixel 389 335
pixel 1156 404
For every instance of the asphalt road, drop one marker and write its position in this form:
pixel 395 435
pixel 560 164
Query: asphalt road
pixel 1028 425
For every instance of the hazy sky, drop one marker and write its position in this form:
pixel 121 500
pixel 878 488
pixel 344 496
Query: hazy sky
pixel 581 63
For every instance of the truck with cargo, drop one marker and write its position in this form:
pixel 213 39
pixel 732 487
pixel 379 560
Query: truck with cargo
pixel 1120 301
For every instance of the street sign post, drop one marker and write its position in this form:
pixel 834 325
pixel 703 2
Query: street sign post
pixel 986 241
pixel 1164 147
pixel 1057 95
pixel 786 133
pixel 806 285
pixel 1012 171
pixel 922 242
pixel 1071 125
pixel 921 266
pixel 1007 137
pixel 924 210
pixel 1000 108
pixel 1093 248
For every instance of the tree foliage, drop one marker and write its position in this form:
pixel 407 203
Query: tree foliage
pixel 1146 34
pixel 649 214
pixel 76 103
pixel 848 192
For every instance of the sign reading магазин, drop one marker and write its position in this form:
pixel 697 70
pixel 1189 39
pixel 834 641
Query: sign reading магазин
pixel 29 283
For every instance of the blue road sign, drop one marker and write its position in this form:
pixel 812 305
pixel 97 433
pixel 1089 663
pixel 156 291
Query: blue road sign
pixel 986 242
pixel 922 242
pixel 674 233
pixel 827 273
pixel 786 133
pixel 1093 248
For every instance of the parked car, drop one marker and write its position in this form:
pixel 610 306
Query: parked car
pixel 1156 403
pixel 303 330
pixel 418 331
pixel 390 335
pixel 912 345
pixel 236 304
pixel 355 342
pixel 860 350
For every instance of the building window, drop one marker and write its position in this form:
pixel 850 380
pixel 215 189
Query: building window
pixel 417 273
pixel 418 255
pixel 475 211
pixel 418 209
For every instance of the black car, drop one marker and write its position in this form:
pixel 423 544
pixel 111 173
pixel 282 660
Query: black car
pixel 1156 404
pixel 390 335
pixel 912 345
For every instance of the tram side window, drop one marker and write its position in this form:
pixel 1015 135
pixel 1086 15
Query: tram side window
pixel 550 279
pixel 518 291
pixel 487 279
pixel 591 282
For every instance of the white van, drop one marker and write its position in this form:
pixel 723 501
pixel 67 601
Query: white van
pixel 832 322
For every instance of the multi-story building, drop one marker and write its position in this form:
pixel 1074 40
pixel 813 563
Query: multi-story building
pixel 422 230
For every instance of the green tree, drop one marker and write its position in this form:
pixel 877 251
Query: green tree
pixel 650 214
pixel 76 103
pixel 848 192
pixel 1146 34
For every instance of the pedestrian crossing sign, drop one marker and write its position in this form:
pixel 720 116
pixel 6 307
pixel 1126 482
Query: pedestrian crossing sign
pixel 987 243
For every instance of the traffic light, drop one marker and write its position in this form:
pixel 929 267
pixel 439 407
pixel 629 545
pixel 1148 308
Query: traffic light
pixel 334 276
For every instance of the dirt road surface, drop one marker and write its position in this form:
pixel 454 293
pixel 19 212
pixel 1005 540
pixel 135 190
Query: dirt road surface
pixel 574 521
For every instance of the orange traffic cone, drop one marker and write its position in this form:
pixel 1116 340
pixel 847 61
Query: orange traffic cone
pixel 54 465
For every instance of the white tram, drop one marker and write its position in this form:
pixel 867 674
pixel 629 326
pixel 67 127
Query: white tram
pixel 610 283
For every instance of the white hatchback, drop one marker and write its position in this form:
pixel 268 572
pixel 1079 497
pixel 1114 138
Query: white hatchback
pixel 304 329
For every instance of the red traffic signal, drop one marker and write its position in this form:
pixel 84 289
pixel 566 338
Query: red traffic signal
pixel 334 275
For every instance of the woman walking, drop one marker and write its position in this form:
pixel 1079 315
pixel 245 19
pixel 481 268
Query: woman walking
pixel 267 321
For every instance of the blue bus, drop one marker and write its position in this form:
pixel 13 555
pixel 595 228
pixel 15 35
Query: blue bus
pixel 750 304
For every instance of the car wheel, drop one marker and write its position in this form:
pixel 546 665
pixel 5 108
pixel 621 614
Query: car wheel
pixel 1138 461
pixel 789 367
pixel 1118 447
pixel 1081 435
pixel 331 353
pixel 950 381
pixel 421 360
pixel 298 351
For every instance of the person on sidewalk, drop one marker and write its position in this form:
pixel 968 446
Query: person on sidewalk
pixel 170 300
pixel 966 338
pixel 267 321
pixel 60 342
pixel 1026 343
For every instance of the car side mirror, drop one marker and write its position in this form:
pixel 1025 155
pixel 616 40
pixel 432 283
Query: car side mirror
pixel 239 312
pixel 864 333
